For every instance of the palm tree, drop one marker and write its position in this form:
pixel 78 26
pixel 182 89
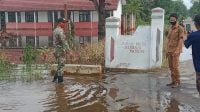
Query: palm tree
pixel 135 7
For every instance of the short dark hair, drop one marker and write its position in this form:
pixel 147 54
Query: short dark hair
pixel 174 15
pixel 61 20
pixel 197 19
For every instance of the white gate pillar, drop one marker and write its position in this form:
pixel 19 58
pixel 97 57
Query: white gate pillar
pixel 112 31
pixel 157 30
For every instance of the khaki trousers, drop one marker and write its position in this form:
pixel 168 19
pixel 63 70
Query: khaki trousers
pixel 174 67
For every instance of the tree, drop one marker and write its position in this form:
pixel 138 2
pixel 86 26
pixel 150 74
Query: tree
pixel 100 7
pixel 172 6
pixel 141 9
pixel 195 9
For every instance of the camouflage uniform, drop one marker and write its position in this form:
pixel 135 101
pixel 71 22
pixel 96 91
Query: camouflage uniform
pixel 60 45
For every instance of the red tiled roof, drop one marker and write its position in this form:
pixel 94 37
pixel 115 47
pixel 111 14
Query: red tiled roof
pixel 43 5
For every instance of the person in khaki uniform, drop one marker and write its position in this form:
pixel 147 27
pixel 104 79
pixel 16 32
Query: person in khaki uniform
pixel 174 48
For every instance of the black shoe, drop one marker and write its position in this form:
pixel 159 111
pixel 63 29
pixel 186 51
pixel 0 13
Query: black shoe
pixel 60 79
pixel 170 84
pixel 176 85
pixel 55 78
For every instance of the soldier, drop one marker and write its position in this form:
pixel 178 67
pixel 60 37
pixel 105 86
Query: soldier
pixel 60 47
pixel 194 40
pixel 174 48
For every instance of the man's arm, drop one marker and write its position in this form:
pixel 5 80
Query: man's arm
pixel 188 41
pixel 180 40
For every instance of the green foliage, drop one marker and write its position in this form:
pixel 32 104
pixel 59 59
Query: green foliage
pixel 195 9
pixel 171 6
pixel 29 56
pixel 142 9
pixel 139 10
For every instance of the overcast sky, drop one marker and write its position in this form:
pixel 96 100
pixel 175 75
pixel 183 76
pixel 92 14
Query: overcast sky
pixel 188 3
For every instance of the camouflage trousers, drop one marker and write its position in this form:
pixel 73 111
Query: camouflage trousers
pixel 198 81
pixel 174 67
pixel 60 60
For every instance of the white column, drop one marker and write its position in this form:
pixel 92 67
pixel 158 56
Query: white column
pixel 157 29
pixel 35 28
pixel 16 20
pixel 6 17
pixel 53 18
pixel 112 32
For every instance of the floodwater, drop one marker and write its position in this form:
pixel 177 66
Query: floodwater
pixel 114 92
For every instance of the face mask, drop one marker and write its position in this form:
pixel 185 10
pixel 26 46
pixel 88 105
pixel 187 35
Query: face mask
pixel 173 23
pixel 62 25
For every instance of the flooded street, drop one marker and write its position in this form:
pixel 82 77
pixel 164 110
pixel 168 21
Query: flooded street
pixel 115 92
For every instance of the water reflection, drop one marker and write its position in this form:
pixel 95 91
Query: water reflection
pixel 115 93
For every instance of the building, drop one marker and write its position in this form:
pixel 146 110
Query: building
pixel 33 20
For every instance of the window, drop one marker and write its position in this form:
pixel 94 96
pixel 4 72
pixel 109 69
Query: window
pixel 55 16
pixel 109 14
pixel 29 16
pixel 84 40
pixel 50 41
pixel 11 17
pixel 19 41
pixel 50 16
pixel 62 14
pixel 84 16
pixel 30 40
pixel 36 16
pixel 13 42
pixel 2 20
pixel 19 17
pixel 37 41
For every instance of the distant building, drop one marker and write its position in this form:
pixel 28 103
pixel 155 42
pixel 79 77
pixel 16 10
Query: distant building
pixel 33 20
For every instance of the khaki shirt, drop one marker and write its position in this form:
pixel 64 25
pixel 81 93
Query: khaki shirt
pixel 175 39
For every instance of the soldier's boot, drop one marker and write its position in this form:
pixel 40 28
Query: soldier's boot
pixel 60 79
pixel 55 77
pixel 170 84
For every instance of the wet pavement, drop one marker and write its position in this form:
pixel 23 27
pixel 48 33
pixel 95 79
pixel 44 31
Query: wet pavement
pixel 114 92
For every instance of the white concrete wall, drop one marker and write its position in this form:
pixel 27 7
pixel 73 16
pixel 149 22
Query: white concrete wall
pixel 157 23
pixel 117 13
pixel 142 50
pixel 42 16
pixel 43 41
